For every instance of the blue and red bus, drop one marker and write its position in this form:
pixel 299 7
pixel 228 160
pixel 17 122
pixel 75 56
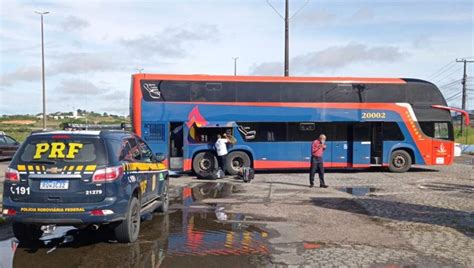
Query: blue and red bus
pixel 388 122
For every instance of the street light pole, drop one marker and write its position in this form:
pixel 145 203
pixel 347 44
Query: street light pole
pixel 42 68
pixel 235 65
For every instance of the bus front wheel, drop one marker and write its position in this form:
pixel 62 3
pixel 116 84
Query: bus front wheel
pixel 400 161
pixel 237 160
pixel 204 164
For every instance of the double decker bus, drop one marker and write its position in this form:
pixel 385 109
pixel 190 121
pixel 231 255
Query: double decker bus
pixel 388 122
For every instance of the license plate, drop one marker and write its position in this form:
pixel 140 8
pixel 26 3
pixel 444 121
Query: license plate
pixel 54 185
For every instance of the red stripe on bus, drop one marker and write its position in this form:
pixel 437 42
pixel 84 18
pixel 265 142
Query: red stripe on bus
pixel 137 107
pixel 294 79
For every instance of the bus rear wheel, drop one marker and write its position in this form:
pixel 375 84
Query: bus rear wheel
pixel 204 164
pixel 400 161
pixel 237 160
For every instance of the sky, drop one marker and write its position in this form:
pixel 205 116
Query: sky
pixel 93 47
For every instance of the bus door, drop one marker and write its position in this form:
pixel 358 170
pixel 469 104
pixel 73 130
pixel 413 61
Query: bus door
pixel 340 156
pixel 176 142
pixel 377 143
pixel 361 144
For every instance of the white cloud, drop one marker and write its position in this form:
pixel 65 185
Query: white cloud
pixel 331 58
pixel 83 62
pixel 75 86
pixel 72 23
pixel 171 42
pixel 23 74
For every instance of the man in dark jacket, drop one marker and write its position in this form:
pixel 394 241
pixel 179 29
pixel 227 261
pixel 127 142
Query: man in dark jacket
pixel 317 149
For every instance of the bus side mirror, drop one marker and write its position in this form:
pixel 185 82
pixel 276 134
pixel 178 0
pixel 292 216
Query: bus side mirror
pixel 160 157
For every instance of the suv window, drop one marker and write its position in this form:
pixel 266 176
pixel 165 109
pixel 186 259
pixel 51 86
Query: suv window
pixel 68 149
pixel 147 154
pixel 130 151
pixel 9 140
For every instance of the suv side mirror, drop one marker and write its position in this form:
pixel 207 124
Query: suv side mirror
pixel 160 157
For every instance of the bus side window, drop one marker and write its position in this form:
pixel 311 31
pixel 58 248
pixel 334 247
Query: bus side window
pixel 427 128
pixel 392 132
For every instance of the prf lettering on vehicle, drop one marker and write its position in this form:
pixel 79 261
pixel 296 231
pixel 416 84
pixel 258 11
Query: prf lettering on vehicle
pixel 58 150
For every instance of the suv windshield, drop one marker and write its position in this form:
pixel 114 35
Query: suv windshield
pixel 65 149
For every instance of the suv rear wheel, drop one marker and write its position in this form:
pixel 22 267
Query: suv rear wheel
pixel 127 230
pixel 400 161
pixel 26 233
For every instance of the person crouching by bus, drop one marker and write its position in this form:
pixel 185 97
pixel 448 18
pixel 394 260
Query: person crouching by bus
pixel 317 165
pixel 221 149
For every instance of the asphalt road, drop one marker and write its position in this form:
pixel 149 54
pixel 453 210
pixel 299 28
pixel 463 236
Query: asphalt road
pixel 366 218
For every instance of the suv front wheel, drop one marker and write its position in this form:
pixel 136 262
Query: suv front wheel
pixel 127 230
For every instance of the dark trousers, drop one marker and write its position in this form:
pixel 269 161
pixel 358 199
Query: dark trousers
pixel 222 161
pixel 316 166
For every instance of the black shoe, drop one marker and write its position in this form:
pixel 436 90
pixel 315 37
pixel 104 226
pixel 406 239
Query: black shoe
pixel 311 185
pixel 323 186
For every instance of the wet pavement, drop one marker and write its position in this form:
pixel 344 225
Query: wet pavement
pixel 357 191
pixel 192 234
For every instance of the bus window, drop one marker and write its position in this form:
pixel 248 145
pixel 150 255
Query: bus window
pixel 175 91
pixel 441 131
pixel 339 132
pixel 342 93
pixel 301 131
pixel 392 132
pixel 258 92
pixel 438 130
pixel 212 91
pixel 362 131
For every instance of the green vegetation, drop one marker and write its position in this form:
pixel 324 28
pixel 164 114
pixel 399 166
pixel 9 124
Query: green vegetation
pixel 20 126
pixel 467 137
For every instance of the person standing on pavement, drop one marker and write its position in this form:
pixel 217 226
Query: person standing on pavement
pixel 318 147
pixel 221 149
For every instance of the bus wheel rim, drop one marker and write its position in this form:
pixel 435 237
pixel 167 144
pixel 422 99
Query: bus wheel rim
pixel 205 164
pixel 399 161
pixel 237 163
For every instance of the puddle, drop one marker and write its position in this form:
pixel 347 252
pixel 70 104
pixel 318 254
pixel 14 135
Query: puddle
pixel 357 191
pixel 191 234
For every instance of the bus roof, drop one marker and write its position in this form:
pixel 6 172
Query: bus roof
pixel 294 79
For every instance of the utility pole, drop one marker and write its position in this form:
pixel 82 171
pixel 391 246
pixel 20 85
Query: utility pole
pixel 287 48
pixel 287 19
pixel 235 65
pixel 464 89
pixel 42 68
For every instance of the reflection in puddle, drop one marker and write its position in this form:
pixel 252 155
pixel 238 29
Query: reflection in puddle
pixel 192 234
pixel 357 191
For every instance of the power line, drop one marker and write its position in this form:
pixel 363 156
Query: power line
pixel 464 80
pixel 437 81
pixel 287 18
pixel 451 83
pixel 440 69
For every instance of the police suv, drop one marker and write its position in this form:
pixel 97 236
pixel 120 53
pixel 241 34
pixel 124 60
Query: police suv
pixel 86 179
